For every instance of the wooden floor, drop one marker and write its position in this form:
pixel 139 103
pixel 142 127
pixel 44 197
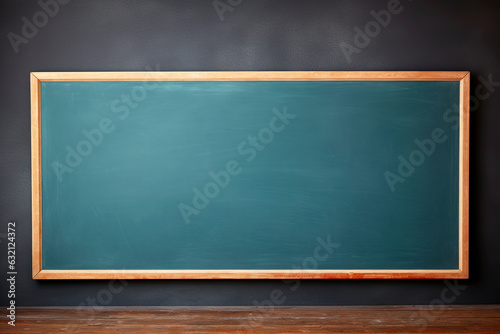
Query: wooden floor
pixel 231 319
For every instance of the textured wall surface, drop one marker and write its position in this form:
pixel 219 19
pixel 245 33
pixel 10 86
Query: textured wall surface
pixel 251 35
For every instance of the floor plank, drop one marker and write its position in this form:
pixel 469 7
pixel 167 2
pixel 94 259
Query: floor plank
pixel 239 319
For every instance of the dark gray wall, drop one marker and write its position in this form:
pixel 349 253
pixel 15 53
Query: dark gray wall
pixel 256 35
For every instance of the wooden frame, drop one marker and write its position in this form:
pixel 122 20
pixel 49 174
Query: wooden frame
pixel 40 273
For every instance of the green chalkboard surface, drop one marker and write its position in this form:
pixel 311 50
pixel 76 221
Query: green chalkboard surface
pixel 210 175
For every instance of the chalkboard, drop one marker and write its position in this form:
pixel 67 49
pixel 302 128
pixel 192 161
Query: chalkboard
pixel 250 175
